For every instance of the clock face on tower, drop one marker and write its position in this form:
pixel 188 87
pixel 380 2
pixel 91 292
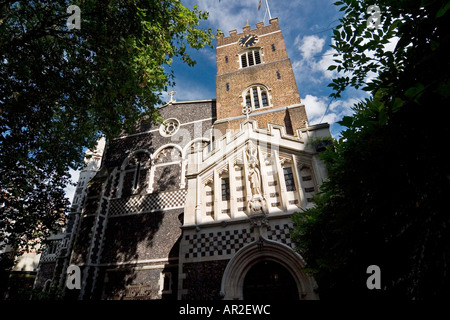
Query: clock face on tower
pixel 248 40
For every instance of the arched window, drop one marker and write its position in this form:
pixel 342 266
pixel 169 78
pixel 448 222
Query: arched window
pixel 167 170
pixel 250 58
pixel 135 174
pixel 257 97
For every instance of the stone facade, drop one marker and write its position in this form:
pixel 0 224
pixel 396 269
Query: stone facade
pixel 186 209
pixel 271 175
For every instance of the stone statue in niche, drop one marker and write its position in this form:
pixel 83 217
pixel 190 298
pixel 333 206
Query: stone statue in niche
pixel 253 172
pixel 255 179
pixel 256 203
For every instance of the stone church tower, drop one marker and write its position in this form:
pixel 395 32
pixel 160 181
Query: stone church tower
pixel 253 69
pixel 242 192
pixel 200 206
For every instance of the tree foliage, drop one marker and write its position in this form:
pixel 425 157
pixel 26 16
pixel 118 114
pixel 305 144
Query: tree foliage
pixel 385 202
pixel 61 89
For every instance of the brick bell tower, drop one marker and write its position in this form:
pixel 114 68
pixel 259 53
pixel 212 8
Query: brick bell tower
pixel 255 73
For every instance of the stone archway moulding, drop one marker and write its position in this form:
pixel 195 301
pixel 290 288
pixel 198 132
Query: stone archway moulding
pixel 263 250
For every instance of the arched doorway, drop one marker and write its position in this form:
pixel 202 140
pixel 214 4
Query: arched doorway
pixel 270 281
pixel 247 266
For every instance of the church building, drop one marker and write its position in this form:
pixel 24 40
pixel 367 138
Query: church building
pixel 200 207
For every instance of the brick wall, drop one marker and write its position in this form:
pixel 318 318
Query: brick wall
pixel 282 92
pixel 231 49
pixel 275 73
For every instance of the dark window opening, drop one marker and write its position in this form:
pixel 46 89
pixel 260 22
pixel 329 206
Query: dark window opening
pixel 255 98
pixel 289 179
pixel 248 101
pixel 278 75
pixel 166 286
pixel 244 60
pixel 250 59
pixel 257 57
pixel 265 101
pixel 136 177
pixel 225 189
pixel 273 47
pixel 52 247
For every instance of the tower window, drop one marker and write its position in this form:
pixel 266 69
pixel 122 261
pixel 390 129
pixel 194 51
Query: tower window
pixel 278 75
pixel 256 97
pixel 226 59
pixel 250 58
pixel 248 100
pixel 289 179
pixel 244 60
pixel 225 189
pixel 264 100
pixel 228 86
pixel 257 57
pixel 273 47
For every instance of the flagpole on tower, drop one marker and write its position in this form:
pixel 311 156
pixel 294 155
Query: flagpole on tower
pixel 268 9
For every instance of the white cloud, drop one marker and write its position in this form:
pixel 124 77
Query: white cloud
pixel 310 46
pixel 312 66
pixel 325 61
pixel 70 190
pixel 316 107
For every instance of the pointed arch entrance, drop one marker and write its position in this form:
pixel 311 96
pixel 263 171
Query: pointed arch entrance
pixel 255 267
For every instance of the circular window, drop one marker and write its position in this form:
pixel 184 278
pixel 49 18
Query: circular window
pixel 169 127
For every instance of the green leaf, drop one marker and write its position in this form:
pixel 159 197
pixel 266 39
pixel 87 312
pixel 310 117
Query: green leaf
pixel 443 10
pixel 346 121
pixel 414 92
pixel 398 103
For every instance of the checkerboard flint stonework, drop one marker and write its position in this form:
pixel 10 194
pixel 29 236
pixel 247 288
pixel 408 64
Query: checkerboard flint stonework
pixel 281 233
pixel 223 243
pixel 148 203
pixel 217 243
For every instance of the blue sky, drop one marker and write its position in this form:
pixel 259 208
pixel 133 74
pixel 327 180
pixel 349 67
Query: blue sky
pixel 307 30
